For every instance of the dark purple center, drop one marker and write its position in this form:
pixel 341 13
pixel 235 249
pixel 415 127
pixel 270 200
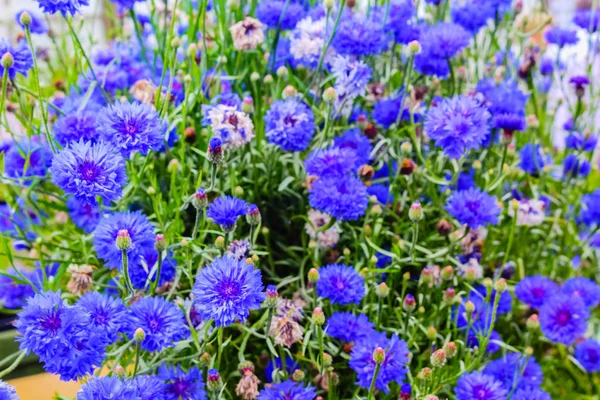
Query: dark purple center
pixel 88 170
pixel 229 289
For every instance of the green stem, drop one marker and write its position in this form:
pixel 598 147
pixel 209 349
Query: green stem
pixel 125 262
pixel 321 352
pixel 220 344
pixel 196 225
pixel 372 387
pixel 511 236
pixel 3 98
pixel 14 365
pixel 138 350
pixel 158 273
pixel 414 242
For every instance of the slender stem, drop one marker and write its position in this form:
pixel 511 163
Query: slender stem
pixel 414 242
pixel 220 344
pixel 372 387
pixel 137 358
pixel 3 98
pixel 196 224
pixel 321 352
pixel 14 365
pixel 36 80
pixel 511 236
pixel 125 262
pixel 156 281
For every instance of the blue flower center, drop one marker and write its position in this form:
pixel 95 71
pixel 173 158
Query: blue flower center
pixel 229 289
pixel 52 323
pixel 180 387
pixel 563 317
pixel 89 170
pixel 290 120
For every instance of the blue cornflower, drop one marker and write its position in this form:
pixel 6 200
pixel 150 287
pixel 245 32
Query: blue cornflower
pixel 148 387
pixel 288 390
pixel 385 112
pixel 515 371
pixel 163 323
pixel 584 288
pixel 60 336
pixel 340 284
pixel 458 125
pixel 348 327
pixel 276 13
pixel 290 367
pixel 473 15
pixel 354 139
pixel 535 290
pixel 226 210
pixel 34 153
pixel 126 4
pixel 8 392
pixel 105 236
pixel 587 19
pixel 439 44
pixel 587 353
pixel 180 384
pixel 477 386
pixel 578 141
pixel 22 59
pixel 401 13
pixel 531 393
pixel 141 267
pixel 228 290
pixel 510 123
pixel 106 387
pixel 351 77
pixel 132 127
pixel 332 161
pixel 563 318
pixel 590 209
pixel 532 159
pixel 290 124
pixel 576 166
pixel 479 294
pixel 393 368
pixel 561 36
pixel 504 97
pixel 13 291
pixel 359 36
pixel 63 6
pixel 76 126
pixel 342 197
pixel 37 25
pixel 107 314
pixel 473 207
pixel 84 215
pixel 87 170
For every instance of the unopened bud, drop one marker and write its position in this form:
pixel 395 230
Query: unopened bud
pixel 329 3
pixel 444 227
pixel 533 322
pixel 271 296
pixel 255 76
pixel 7 60
pixel 415 213
pixel 289 91
pixel 500 285
pixel 220 242
pixel 382 290
pixel 438 358
pixel 213 380
pixel 282 72
pixel 447 273
pixel 366 172
pixel 123 240
pixel 431 333
pixel 469 308
pixel 253 214
pixel 173 166
pixel 414 47
pixel 379 355
pixel 409 304
pixel 248 105
pixel 329 95
pixel 449 295
pixel 318 316
pixel 190 135
pixel 215 150
pixel 205 359
pixel 150 191
pixel 327 360
pixel 450 349
pixel 160 244
pixel 199 199
pixel 425 374
pixel 139 335
pixel 313 275
pixel 25 18
pixel 268 79
pixel 298 375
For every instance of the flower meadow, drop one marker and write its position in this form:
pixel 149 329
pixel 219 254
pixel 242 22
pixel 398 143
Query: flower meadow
pixel 298 200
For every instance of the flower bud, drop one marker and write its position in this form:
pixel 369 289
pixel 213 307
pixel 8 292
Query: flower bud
pixel 362 122
pixel 271 296
pixel 379 355
pixel 431 333
pixel 213 380
pixel 160 244
pixel 313 275
pixel 25 18
pixel 329 95
pixel 123 240
pixel 329 3
pixel 346 252
pixel 500 285
pixel 406 276
pixel 376 210
pixel 220 242
pixel 327 360
pixel 371 131
pixel 268 79
pixel 425 374
pixel 407 167
pixel 139 335
pixel 406 148
pixel 533 322
pixel 173 166
pixel 469 308
pixel 119 370
pixel 318 316
pixel 449 295
pixel 414 47
pixel 7 60
pixel 289 91
pixel 431 397
pixel 205 359
pixel 409 304
pixel 253 215
pixel 282 72
pixel 444 227
pixel 215 150
pixel 450 349
pixel 248 105
pixel 298 375
pixel 255 76
pixel 176 42
pixel 382 290
pixel 528 351
pixel 192 49
pixel 447 273
pixel 438 358
pixel 150 191
pixel 415 213
pixel 199 199
pixel 405 392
